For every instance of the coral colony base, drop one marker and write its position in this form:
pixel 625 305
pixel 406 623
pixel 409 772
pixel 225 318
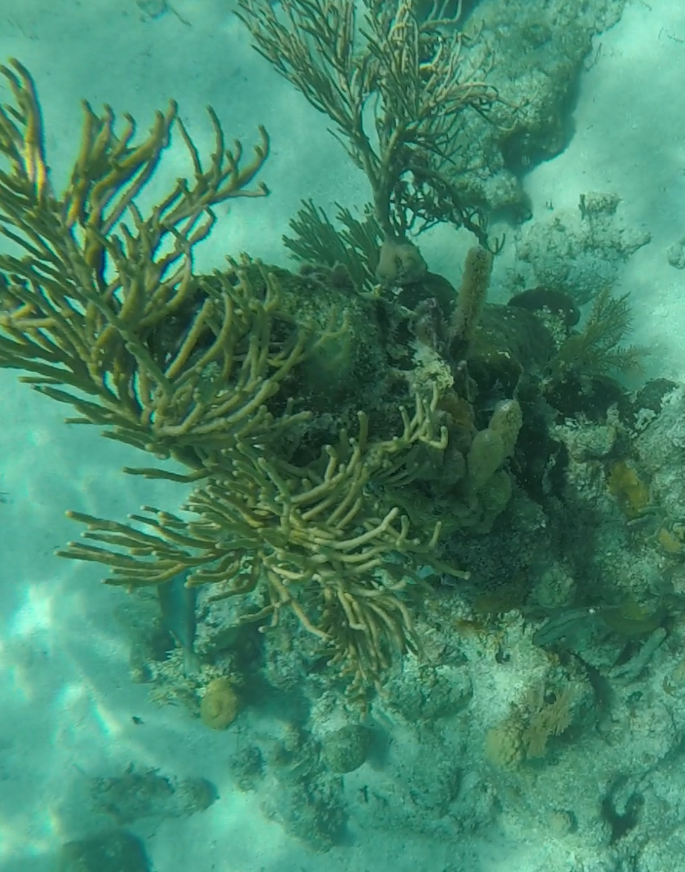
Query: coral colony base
pixel 405 499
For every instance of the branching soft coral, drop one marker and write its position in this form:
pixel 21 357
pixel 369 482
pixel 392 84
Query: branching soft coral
pixel 100 305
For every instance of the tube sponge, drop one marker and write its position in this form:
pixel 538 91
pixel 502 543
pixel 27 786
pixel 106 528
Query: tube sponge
pixel 470 301
pixel 485 457
pixel 507 420
pixel 491 446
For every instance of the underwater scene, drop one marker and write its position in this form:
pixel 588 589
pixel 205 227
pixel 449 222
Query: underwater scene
pixel 379 306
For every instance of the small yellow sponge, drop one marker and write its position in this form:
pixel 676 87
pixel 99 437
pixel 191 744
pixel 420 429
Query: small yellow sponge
pixel 220 704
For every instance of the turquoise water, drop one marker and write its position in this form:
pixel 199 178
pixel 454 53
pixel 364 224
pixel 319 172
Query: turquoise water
pixel 417 602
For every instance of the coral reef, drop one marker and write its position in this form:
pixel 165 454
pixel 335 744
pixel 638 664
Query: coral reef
pixel 539 53
pixel 579 251
pixel 448 509
pixel 214 372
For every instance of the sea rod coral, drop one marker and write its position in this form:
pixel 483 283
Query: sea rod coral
pixel 101 307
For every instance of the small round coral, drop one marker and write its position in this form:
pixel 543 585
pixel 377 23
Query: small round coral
pixel 220 704
pixel 345 749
